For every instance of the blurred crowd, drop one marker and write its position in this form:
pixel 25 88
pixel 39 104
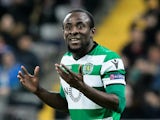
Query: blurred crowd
pixel 141 56
pixel 30 35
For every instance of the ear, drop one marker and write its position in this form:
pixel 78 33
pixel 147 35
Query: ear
pixel 93 30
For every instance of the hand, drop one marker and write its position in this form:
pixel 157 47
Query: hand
pixel 31 82
pixel 73 79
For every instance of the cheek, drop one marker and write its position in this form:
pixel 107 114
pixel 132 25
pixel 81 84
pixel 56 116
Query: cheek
pixel 87 36
pixel 65 34
pixel 64 37
pixel 86 33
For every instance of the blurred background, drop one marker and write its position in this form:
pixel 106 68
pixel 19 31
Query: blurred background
pixel 31 35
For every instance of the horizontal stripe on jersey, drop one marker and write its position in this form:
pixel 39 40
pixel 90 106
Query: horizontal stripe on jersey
pixel 100 67
pixel 97 114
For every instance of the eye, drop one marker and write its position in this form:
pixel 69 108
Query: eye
pixel 67 27
pixel 80 26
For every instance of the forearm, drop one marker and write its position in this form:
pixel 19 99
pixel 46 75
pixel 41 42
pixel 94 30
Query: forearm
pixel 103 99
pixel 52 99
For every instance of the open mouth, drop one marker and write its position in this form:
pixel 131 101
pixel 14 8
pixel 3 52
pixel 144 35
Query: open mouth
pixel 74 40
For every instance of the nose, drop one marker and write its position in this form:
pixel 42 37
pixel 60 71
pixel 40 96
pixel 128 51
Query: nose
pixel 74 30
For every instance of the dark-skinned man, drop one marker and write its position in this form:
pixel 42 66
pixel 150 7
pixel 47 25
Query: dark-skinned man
pixel 92 77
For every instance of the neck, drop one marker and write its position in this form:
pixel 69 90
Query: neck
pixel 83 52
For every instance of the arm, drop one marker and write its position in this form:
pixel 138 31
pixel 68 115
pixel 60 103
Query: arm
pixel 114 99
pixel 104 99
pixel 52 99
pixel 31 82
pixel 108 100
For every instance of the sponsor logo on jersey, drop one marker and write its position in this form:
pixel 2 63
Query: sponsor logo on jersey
pixel 73 93
pixel 116 76
pixel 87 68
pixel 115 62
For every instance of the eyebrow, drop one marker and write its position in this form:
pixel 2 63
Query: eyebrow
pixel 68 23
pixel 79 22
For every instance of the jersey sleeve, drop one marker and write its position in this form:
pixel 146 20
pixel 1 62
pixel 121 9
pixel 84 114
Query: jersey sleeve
pixel 118 90
pixel 113 78
pixel 112 70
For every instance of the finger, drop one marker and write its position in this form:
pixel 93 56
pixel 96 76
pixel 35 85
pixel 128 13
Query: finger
pixel 36 71
pixel 57 67
pixel 63 74
pixel 61 71
pixel 24 70
pixel 80 69
pixel 68 70
pixel 20 78
pixel 22 81
pixel 20 75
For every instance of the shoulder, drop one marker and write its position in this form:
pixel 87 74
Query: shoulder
pixel 66 56
pixel 109 54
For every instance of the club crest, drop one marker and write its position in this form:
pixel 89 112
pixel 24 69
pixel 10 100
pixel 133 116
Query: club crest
pixel 87 68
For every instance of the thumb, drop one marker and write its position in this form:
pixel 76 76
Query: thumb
pixel 36 71
pixel 80 69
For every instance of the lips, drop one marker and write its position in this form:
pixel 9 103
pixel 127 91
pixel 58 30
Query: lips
pixel 74 40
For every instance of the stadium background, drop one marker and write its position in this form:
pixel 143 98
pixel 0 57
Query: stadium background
pixel 31 34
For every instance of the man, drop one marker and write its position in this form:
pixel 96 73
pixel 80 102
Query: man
pixel 92 76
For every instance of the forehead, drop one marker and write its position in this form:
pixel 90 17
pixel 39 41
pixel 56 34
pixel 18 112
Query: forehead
pixel 76 17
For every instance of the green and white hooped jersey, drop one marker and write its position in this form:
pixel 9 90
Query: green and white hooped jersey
pixel 103 70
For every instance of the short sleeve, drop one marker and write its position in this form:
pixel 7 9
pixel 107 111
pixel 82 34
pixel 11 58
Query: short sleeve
pixel 112 72
pixel 118 90
pixel 113 78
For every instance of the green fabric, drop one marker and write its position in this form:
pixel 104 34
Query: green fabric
pixel 119 90
pixel 97 66
pixel 96 114
pixel 62 92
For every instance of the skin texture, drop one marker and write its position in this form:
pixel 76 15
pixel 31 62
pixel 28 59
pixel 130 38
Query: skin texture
pixel 79 39
pixel 77 34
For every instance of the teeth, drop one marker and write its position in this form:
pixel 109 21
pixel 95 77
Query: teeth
pixel 73 39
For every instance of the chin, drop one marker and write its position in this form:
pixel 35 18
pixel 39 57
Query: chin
pixel 74 50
